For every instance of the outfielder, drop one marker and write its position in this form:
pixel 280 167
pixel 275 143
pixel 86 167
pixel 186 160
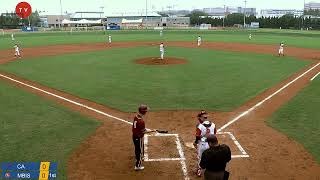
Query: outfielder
pixel 281 49
pixel 161 33
pixel 17 51
pixel 250 36
pixel 202 132
pixel 12 37
pixel 199 40
pixel 109 39
pixel 161 51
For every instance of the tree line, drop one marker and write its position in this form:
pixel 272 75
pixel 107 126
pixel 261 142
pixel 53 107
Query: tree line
pixel 12 21
pixel 285 22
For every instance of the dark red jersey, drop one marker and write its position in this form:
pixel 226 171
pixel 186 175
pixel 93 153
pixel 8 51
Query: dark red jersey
pixel 138 126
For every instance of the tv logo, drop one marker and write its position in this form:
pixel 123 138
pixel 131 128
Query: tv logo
pixel 23 9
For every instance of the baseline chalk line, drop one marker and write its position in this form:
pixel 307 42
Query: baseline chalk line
pixel 266 99
pixel 314 76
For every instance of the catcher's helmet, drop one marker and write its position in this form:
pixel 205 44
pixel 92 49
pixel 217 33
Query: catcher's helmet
pixel 202 112
pixel 207 123
pixel 143 109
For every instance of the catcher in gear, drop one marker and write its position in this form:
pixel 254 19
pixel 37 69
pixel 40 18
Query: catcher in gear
pixel 203 130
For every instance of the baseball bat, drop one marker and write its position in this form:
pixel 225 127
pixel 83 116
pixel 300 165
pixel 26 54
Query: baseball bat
pixel 161 131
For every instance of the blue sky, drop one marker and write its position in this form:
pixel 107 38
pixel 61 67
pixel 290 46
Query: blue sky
pixel 53 7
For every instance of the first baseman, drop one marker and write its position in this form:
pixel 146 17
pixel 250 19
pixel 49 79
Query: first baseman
pixel 202 132
pixel 162 51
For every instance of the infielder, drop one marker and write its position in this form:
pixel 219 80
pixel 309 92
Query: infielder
pixel 109 39
pixel 12 37
pixel 17 51
pixel 202 132
pixel 199 40
pixel 281 49
pixel 161 51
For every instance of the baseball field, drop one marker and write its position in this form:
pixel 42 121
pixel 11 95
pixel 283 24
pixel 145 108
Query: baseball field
pixel 72 96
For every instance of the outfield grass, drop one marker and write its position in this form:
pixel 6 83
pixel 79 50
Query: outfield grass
pixel 291 38
pixel 33 129
pixel 213 80
pixel 300 118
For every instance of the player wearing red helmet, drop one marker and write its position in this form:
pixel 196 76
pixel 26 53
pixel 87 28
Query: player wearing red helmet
pixel 138 131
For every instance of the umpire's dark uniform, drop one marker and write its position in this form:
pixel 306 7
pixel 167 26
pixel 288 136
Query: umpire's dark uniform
pixel 215 159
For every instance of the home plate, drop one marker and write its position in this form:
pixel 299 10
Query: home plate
pixel 189 145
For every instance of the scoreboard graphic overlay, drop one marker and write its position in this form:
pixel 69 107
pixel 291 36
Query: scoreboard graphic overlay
pixel 29 170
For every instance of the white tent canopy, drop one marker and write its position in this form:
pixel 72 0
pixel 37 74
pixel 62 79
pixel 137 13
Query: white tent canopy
pixel 126 21
pixel 82 21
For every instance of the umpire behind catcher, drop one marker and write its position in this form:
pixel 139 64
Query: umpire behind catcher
pixel 215 159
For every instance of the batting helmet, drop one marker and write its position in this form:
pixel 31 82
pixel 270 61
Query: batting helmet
pixel 143 109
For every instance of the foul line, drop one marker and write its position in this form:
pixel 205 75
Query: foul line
pixel 266 99
pixel 68 100
pixel 314 76
pixel 236 142
pixel 179 147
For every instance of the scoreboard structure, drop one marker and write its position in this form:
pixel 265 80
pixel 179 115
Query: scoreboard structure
pixel 29 170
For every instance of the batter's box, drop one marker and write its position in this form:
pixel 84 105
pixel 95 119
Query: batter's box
pixel 236 149
pixel 162 145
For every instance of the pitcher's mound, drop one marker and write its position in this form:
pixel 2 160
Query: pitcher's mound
pixel 158 61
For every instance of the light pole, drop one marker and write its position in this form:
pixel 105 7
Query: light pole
pixel 29 21
pixel 304 9
pixel 244 13
pixel 146 12
pixel 101 7
pixel 60 14
pixel 224 14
